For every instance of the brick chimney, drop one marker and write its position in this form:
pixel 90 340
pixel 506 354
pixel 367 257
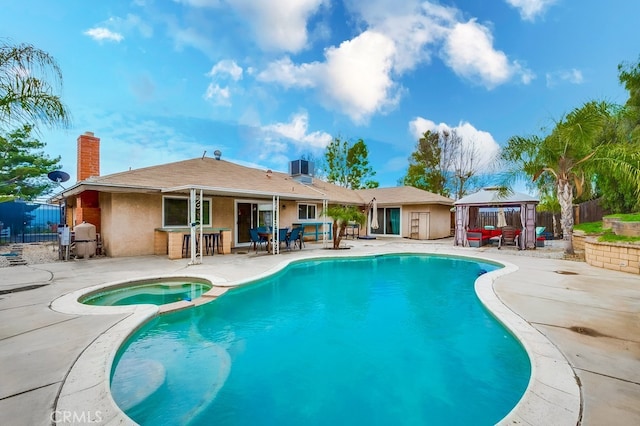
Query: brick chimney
pixel 88 202
pixel 88 156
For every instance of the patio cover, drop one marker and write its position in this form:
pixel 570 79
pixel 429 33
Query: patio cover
pixel 491 197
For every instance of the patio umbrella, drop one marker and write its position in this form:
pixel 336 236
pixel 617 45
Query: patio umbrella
pixel 502 221
pixel 374 213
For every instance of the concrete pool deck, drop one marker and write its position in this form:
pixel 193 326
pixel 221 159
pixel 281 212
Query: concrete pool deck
pixel 591 315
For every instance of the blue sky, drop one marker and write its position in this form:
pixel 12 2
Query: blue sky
pixel 266 81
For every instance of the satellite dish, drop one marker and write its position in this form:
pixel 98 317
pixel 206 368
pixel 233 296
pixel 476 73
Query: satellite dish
pixel 58 176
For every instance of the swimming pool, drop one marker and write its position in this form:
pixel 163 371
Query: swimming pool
pixel 159 291
pixel 381 340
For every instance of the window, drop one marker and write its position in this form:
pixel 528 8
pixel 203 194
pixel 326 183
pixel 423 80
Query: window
pixel 306 211
pixel 175 211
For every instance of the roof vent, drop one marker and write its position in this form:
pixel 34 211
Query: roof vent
pixel 217 154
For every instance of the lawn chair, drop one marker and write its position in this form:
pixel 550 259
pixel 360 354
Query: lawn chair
pixel 509 237
pixel 256 239
pixel 294 238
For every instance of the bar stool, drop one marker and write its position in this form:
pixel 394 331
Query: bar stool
pixel 211 242
pixel 186 245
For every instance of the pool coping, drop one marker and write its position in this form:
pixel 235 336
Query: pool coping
pixel 551 397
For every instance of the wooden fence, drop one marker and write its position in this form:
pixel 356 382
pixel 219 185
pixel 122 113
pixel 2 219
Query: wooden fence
pixel 589 211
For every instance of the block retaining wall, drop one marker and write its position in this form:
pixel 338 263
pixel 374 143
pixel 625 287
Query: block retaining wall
pixel 617 257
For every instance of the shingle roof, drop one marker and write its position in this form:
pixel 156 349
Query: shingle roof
pixel 403 195
pixel 223 177
pixel 217 176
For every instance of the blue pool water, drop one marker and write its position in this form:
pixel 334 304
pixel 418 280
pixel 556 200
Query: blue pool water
pixel 397 339
pixel 157 292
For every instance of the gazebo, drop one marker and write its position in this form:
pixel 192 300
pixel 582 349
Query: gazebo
pixel 491 197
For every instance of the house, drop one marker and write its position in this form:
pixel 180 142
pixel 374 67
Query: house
pixel 132 210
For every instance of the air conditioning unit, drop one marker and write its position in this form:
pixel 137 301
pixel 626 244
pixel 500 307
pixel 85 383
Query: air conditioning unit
pixel 301 168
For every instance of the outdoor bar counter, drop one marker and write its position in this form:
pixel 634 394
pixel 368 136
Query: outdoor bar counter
pixel 169 240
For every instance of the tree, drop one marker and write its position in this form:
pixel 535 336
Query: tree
pixel 348 164
pixel 341 216
pixel 443 164
pixel 425 165
pixel 629 76
pixel 26 95
pixel 621 195
pixel 465 168
pixel 23 166
pixel 565 156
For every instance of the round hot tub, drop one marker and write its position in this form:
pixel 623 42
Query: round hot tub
pixel 160 291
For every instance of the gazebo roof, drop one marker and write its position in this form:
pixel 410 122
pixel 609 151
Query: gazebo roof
pixel 491 197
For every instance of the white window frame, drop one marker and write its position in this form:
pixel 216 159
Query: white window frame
pixel 178 197
pixel 307 205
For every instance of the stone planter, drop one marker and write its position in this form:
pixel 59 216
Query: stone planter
pixel 619 227
pixel 629 229
pixel 607 222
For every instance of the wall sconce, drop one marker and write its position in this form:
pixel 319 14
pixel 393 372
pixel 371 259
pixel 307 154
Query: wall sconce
pixel 284 206
pixel 269 173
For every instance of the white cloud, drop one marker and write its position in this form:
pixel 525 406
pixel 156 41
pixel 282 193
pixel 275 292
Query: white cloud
pixel 102 34
pixel 358 75
pixel 296 131
pixel 226 67
pixel 355 78
pixel 281 26
pixel 529 9
pixel 218 95
pixel 573 76
pixel 414 27
pixel 469 51
pixel 287 74
pixel 113 28
pixel 480 141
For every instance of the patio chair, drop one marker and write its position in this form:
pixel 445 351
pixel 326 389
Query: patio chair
pixel 509 237
pixel 295 238
pixel 256 239
pixel 283 236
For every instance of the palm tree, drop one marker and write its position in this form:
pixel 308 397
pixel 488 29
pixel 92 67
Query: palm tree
pixel 566 157
pixel 341 216
pixel 26 95
pixel 549 203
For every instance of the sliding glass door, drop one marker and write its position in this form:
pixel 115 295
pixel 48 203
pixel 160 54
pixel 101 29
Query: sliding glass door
pixel 388 221
pixel 251 215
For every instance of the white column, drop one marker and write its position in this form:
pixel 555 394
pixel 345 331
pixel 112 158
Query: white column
pixel 275 249
pixel 325 206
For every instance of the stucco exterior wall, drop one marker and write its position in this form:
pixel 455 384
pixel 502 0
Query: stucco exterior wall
pixel 128 223
pixel 223 215
pixel 289 214
pixel 439 220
